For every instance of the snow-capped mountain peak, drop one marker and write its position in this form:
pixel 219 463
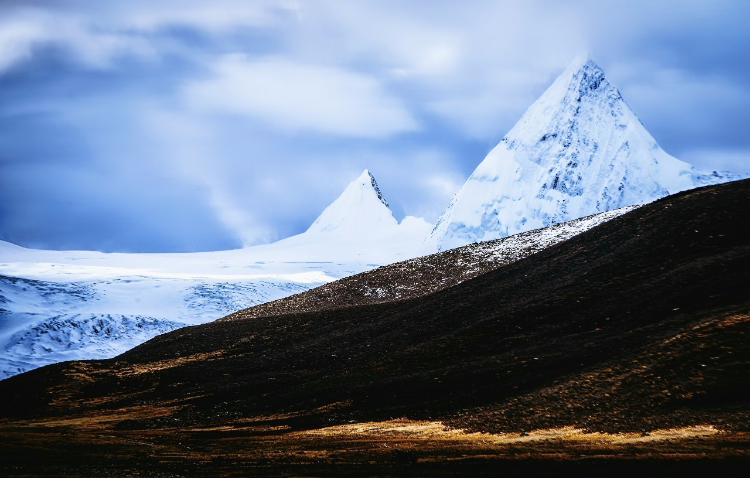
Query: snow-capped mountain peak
pixel 578 150
pixel 358 225
pixel 359 208
pixel 582 82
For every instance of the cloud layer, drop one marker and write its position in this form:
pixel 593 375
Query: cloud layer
pixel 298 97
pixel 186 125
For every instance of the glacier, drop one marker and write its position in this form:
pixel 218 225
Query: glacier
pixel 578 150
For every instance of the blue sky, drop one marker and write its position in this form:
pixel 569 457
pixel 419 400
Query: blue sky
pixel 182 126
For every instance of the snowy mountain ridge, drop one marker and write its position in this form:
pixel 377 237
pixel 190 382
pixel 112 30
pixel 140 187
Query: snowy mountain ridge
pixel 578 150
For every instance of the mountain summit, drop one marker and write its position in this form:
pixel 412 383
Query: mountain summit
pixel 357 226
pixel 360 205
pixel 578 150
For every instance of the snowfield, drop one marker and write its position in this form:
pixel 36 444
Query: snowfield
pixel 53 311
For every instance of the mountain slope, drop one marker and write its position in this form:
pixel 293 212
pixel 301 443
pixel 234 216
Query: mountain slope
pixel 424 275
pixel 639 324
pixel 578 150
pixel 640 278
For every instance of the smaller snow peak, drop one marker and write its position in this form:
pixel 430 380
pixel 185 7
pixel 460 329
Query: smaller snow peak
pixel 360 206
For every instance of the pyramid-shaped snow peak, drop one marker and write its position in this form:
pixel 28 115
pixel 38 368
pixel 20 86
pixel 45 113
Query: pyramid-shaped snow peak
pixel 357 226
pixel 577 150
pixel 361 207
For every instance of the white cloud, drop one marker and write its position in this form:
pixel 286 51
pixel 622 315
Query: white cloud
pixel 187 152
pixel 470 66
pixel 678 94
pixel 104 30
pixel 362 70
pixel 301 97
pixel 212 16
pixel 16 40
pixel 487 113
pixel 23 31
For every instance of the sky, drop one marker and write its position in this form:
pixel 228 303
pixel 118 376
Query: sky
pixel 190 126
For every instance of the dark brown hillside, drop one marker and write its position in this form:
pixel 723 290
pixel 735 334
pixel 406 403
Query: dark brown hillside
pixel 423 275
pixel 639 324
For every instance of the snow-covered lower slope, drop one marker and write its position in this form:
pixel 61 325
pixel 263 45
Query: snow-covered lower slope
pixel 577 150
pixel 77 336
pixel 46 321
pixel 64 305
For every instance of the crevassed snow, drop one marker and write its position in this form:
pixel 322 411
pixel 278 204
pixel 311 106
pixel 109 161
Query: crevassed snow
pixel 577 150
pixel 65 305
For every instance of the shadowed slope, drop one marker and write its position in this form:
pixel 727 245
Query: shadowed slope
pixel 582 312
pixel 423 275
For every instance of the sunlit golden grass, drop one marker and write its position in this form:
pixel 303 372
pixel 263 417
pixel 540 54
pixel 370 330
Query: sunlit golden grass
pixel 150 367
pixel 404 429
